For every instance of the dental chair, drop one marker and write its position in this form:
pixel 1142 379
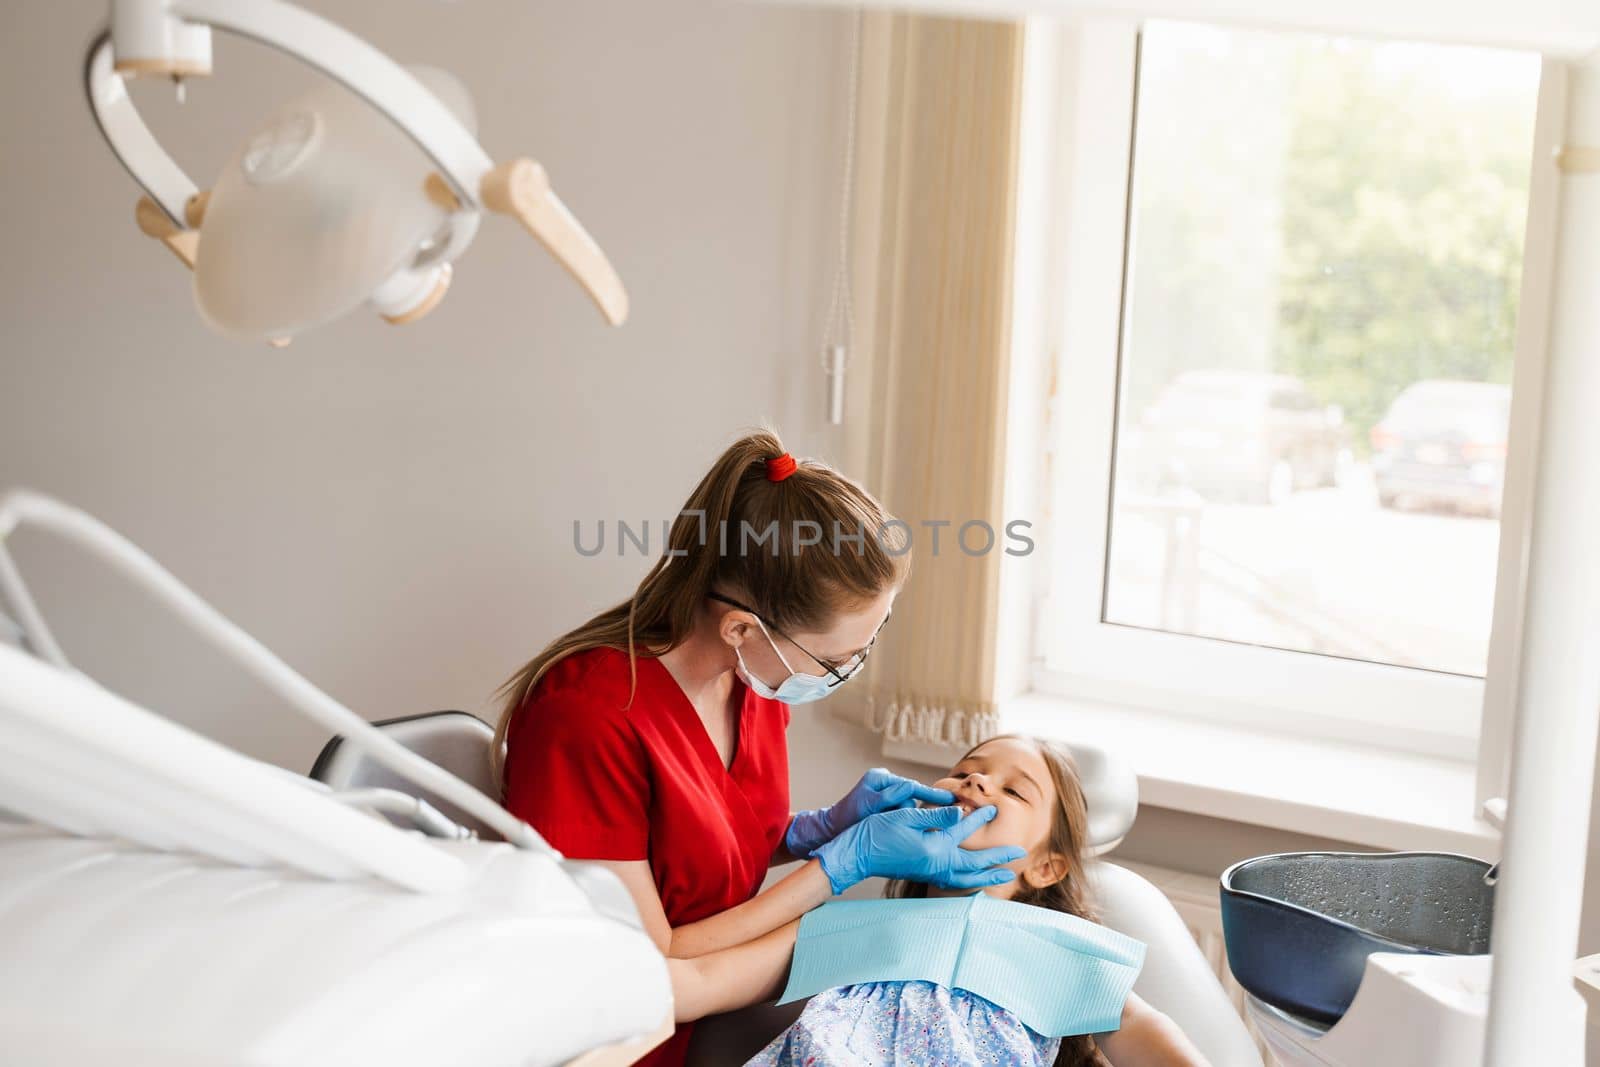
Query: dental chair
pixel 167 899
pixel 1176 978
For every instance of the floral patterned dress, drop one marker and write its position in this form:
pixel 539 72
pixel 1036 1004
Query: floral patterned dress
pixel 905 1024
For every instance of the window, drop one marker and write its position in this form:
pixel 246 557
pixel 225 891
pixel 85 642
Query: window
pixel 1321 312
pixel 1281 433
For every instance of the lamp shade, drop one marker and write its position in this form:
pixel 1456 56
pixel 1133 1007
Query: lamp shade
pixel 320 206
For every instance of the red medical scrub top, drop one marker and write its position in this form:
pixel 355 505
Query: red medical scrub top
pixel 602 779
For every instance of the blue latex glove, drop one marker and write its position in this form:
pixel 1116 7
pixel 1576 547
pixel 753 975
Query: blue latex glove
pixel 920 844
pixel 878 790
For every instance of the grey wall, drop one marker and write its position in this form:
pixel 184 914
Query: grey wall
pixel 390 508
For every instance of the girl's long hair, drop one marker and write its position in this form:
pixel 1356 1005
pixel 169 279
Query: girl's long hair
pixel 752 539
pixel 1069 835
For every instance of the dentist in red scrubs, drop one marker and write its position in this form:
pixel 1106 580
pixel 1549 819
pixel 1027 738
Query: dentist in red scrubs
pixel 652 737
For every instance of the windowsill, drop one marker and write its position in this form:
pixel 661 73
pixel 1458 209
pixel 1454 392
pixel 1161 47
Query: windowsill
pixel 1373 797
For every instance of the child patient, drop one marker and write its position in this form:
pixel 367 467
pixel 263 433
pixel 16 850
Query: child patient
pixel 1033 785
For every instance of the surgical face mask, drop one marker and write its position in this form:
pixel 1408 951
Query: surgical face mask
pixel 797 688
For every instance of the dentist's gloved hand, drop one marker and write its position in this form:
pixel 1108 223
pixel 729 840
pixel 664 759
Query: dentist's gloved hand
pixel 878 790
pixel 920 844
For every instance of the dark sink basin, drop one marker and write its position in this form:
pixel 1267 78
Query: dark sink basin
pixel 1299 926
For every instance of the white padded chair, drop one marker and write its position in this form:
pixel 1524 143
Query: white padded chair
pixel 1176 977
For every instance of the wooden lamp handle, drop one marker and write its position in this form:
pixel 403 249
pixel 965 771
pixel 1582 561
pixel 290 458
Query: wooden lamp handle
pixel 521 188
pixel 153 222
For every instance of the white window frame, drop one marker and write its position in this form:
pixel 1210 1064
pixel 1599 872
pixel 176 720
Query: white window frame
pixel 1088 74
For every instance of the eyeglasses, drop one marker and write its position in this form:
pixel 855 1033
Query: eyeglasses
pixel 841 673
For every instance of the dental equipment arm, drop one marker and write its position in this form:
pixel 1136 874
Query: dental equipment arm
pixel 14 595
pixel 20 507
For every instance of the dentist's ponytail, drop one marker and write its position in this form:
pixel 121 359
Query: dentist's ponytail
pixel 798 541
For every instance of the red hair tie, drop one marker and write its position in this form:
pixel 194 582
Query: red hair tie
pixel 780 467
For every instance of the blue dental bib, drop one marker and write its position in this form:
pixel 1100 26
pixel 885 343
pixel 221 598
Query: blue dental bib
pixel 1058 973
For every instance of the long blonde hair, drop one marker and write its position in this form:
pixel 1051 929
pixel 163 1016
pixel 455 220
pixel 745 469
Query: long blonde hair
pixel 1069 837
pixel 797 586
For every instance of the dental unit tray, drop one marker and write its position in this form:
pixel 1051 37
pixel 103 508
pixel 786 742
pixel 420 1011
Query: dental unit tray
pixel 205 907
pixel 1299 926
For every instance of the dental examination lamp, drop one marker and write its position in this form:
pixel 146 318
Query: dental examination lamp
pixel 327 203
